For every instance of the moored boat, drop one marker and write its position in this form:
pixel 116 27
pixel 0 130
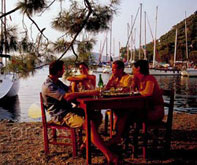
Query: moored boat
pixel 164 72
pixel 189 72
pixel 9 82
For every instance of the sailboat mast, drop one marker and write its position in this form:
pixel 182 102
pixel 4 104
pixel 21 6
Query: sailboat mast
pixel 106 48
pixel 100 53
pixel 186 38
pixel 140 31
pixel 5 34
pixel 145 35
pixel 101 50
pixel 113 54
pixel 1 31
pixel 110 47
pixel 154 50
pixel 175 46
pixel 134 39
pixel 131 41
pixel 128 29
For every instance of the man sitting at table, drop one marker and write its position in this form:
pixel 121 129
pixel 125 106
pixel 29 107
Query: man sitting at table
pixel 57 99
pixel 121 81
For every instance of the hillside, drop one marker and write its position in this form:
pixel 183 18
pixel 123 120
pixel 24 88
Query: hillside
pixel 166 43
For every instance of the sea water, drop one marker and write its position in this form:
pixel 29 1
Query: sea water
pixel 26 106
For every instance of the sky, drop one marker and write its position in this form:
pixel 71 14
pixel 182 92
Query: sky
pixel 170 12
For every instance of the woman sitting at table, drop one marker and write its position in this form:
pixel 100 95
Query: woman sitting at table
pixel 147 86
pixel 84 81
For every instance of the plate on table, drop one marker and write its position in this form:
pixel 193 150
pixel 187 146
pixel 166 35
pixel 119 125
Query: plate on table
pixel 136 93
pixel 114 94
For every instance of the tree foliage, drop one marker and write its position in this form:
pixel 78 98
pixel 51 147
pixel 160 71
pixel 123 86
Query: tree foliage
pixel 88 16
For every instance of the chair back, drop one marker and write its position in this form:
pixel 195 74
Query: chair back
pixel 44 121
pixel 169 105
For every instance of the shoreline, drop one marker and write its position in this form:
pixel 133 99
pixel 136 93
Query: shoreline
pixel 22 143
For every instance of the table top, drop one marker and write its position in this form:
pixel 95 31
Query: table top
pixel 134 101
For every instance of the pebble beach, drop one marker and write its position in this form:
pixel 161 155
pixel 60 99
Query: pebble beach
pixel 22 143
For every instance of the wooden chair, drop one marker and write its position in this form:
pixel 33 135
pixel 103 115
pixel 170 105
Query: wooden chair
pixel 70 133
pixel 163 128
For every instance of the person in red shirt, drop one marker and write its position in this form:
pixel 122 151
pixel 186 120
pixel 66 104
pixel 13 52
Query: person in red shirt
pixel 147 85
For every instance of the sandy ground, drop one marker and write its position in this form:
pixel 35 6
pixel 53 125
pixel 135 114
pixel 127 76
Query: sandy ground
pixel 22 143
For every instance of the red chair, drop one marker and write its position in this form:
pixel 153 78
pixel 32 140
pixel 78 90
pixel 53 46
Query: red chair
pixel 56 137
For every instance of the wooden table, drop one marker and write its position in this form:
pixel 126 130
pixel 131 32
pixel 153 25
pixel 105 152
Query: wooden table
pixel 125 103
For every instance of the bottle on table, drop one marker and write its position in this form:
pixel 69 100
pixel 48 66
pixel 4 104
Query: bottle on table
pixel 100 84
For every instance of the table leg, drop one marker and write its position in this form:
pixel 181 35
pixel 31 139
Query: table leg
pixel 111 123
pixel 88 139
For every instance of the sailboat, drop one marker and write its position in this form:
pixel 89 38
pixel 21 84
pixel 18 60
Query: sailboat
pixel 169 71
pixel 189 71
pixel 9 81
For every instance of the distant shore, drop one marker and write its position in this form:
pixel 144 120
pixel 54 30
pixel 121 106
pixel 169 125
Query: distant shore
pixel 22 143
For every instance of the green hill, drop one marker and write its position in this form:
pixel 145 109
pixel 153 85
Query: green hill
pixel 166 43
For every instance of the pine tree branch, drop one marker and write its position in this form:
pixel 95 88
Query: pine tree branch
pixel 83 25
pixel 10 12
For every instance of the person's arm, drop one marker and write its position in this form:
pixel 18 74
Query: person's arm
pixel 110 82
pixel 127 84
pixel 93 80
pixel 74 95
pixel 148 90
pixel 135 84
pixel 77 78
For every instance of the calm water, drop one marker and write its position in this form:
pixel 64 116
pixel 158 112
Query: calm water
pixel 17 108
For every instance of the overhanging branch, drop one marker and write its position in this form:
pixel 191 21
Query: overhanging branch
pixel 83 25
pixel 41 31
pixel 9 12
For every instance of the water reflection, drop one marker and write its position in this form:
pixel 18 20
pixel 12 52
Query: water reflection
pixel 10 108
pixel 185 92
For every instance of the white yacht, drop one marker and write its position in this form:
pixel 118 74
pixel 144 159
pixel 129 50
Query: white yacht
pixel 164 72
pixel 189 72
pixel 9 82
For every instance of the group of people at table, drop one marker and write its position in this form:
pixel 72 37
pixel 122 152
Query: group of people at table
pixel 59 99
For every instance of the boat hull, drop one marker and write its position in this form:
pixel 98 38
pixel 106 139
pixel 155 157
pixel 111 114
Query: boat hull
pixel 9 85
pixel 15 88
pixel 189 72
pixel 164 72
